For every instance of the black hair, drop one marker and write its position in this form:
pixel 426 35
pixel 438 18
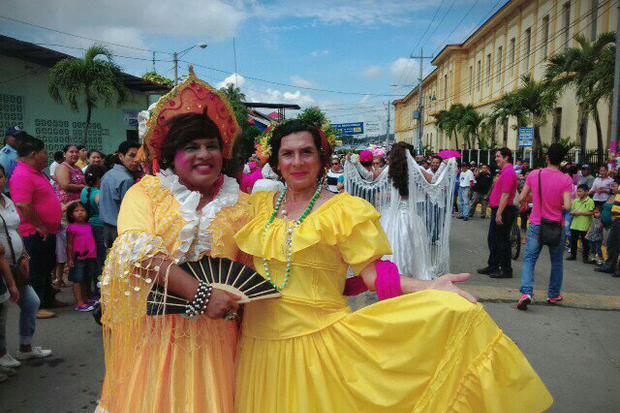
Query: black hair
pixel 505 152
pixel 604 166
pixel 110 160
pixel 59 156
pixel 584 187
pixel 2 170
pixel 92 174
pixel 72 207
pixel 398 172
pixel 296 126
pixel 27 144
pixel 69 146
pixel 555 154
pixel 99 152
pixel 124 147
pixel 183 130
pixel 80 147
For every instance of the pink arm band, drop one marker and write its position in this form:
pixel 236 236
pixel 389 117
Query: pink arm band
pixel 354 286
pixel 387 284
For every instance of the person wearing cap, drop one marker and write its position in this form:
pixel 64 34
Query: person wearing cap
pixel 8 154
pixel 586 176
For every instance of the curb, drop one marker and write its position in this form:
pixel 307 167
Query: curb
pixel 571 300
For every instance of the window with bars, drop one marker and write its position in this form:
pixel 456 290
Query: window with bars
pixel 500 57
pixel 594 17
pixel 566 24
pixel 512 56
pixel 545 35
pixel 479 80
pixel 527 49
pixel 489 70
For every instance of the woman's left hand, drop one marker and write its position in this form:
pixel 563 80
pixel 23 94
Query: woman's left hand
pixel 25 267
pixel 447 283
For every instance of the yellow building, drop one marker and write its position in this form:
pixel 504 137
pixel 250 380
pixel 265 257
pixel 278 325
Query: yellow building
pixel 516 40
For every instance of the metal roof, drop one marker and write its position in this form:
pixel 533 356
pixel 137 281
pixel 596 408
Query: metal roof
pixel 43 56
pixel 271 105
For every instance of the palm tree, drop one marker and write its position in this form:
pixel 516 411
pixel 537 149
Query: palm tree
pixel 249 132
pixel 313 116
pixel 94 78
pixel 536 99
pixel 448 121
pixel 578 67
pixel 505 108
pixel 469 124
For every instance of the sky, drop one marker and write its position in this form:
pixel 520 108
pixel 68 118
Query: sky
pixel 349 57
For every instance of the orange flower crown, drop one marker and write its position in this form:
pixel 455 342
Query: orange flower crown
pixel 192 96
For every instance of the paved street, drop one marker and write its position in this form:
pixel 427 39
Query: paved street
pixel 574 349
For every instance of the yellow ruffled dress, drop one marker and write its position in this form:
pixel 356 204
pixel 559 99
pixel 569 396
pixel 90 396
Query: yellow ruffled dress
pixel 167 363
pixel 307 352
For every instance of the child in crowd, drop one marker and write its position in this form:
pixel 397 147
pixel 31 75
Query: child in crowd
pixel 595 237
pixel 90 199
pixel 81 255
pixel 581 211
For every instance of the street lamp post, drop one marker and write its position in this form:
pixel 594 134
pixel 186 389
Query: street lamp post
pixel 177 55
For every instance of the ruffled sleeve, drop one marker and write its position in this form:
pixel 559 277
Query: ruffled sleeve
pixel 354 225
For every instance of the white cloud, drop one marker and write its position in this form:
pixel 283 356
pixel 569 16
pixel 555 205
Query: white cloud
pixel 319 53
pixel 129 22
pixel 359 12
pixel 405 69
pixel 234 79
pixel 373 72
pixel 300 81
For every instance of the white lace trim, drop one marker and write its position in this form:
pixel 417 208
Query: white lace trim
pixel 196 232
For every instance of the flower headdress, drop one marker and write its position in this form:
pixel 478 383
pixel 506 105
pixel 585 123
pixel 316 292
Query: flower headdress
pixel 193 96
pixel 263 146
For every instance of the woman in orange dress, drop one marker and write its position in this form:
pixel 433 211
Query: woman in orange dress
pixel 172 362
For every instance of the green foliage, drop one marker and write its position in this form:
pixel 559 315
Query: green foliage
pixel 449 121
pixel 158 79
pixel 313 116
pixel 249 133
pixel 95 78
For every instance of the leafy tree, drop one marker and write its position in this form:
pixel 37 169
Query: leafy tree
pixel 448 121
pixel 313 116
pixel 158 79
pixel 469 125
pixel 94 78
pixel 583 67
pixel 505 108
pixel 249 132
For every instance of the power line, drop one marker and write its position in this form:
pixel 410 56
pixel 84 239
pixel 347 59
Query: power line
pixel 80 36
pixel 113 54
pixel 273 82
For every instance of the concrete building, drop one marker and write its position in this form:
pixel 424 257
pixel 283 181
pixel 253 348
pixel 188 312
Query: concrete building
pixel 25 101
pixel 517 39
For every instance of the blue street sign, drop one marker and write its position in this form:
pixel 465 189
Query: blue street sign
pixel 526 137
pixel 355 128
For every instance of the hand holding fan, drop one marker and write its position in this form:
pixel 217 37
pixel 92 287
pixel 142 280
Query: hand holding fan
pixel 221 273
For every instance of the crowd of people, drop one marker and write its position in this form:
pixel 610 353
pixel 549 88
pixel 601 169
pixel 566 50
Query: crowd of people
pixel 55 228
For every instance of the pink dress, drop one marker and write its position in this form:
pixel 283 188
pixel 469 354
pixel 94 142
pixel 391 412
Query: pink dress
pixel 76 177
pixel 84 246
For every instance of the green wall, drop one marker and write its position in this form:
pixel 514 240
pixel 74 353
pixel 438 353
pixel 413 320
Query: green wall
pixel 24 101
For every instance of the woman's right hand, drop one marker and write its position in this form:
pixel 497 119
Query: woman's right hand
pixel 14 293
pixel 221 302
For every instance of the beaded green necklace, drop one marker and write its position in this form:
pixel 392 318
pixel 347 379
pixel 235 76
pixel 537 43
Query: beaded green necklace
pixel 289 238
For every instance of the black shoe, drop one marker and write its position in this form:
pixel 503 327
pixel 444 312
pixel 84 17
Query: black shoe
pixel 616 275
pixel 604 269
pixel 486 270
pixel 571 258
pixel 501 275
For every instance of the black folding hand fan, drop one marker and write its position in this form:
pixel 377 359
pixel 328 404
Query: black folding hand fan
pixel 222 273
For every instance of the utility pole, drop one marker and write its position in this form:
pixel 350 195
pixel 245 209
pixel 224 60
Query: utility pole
pixel 615 104
pixel 235 56
pixel 419 146
pixel 387 126
pixel 154 70
pixel 175 57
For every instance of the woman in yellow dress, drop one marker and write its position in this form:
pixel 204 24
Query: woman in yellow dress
pixel 433 350
pixel 170 362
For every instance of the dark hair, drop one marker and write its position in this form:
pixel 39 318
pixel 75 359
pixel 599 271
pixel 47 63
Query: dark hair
pixel 59 156
pixel 80 147
pixel 99 152
pixel 72 207
pixel 398 172
pixel 124 147
pixel 555 154
pixel 92 174
pixel 69 146
pixel 183 130
pixel 27 144
pixel 111 160
pixel 583 187
pixel 506 153
pixel 2 170
pixel 295 126
pixel 604 166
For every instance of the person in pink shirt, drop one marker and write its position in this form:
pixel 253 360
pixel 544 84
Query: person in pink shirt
pixel 556 190
pixel 503 216
pixel 40 214
pixel 81 256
